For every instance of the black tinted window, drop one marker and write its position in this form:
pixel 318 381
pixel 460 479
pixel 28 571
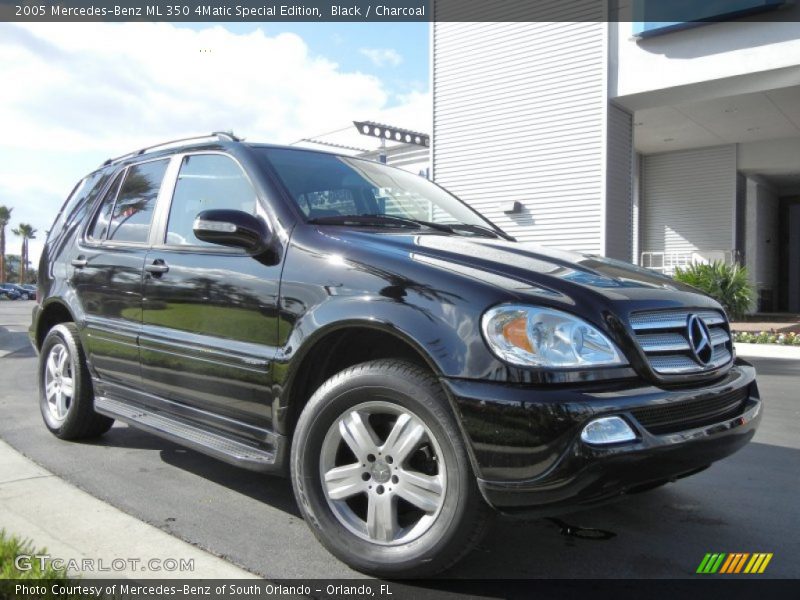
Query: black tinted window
pixel 99 228
pixel 133 210
pixel 205 182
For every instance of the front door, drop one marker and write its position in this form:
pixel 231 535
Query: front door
pixel 209 314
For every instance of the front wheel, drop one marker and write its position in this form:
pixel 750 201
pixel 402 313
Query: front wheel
pixel 381 473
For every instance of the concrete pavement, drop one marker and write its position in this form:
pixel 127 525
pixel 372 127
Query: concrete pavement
pixel 768 351
pixel 14 318
pixel 73 526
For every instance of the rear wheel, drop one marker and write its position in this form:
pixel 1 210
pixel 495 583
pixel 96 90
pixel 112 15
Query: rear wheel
pixel 66 398
pixel 381 473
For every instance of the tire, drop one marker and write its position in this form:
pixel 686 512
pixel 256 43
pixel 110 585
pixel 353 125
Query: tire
pixel 411 515
pixel 68 410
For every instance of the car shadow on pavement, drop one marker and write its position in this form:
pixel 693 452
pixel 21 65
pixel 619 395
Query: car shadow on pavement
pixel 124 436
pixel 273 490
pixel 743 502
pixel 270 489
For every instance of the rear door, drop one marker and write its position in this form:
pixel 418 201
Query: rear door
pixel 210 313
pixel 107 271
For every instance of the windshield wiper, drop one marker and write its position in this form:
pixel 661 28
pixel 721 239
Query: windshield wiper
pixel 374 219
pixel 418 222
pixel 479 230
pixel 393 220
pixel 449 227
pixel 362 220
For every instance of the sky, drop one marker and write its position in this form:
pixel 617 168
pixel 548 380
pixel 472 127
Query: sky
pixel 75 94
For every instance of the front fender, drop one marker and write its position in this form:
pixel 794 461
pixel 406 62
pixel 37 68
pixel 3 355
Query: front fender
pixel 431 335
pixel 435 338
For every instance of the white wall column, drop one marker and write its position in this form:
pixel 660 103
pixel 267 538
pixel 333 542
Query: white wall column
pixel 521 115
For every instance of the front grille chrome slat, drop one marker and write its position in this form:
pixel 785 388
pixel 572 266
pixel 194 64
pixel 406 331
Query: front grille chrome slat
pixel 677 364
pixel 719 336
pixel 664 338
pixel 663 342
pixel 672 319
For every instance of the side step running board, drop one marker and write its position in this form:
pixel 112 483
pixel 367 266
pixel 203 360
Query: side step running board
pixel 186 434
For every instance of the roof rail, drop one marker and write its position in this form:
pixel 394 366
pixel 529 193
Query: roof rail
pixel 218 135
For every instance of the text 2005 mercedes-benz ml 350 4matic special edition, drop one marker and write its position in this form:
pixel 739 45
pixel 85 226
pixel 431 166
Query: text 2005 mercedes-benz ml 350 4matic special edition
pixel 408 364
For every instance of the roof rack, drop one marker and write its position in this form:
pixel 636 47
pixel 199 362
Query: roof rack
pixel 216 135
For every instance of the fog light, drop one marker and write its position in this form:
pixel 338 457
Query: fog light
pixel 608 430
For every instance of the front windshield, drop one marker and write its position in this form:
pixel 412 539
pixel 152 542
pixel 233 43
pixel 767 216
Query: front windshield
pixel 326 186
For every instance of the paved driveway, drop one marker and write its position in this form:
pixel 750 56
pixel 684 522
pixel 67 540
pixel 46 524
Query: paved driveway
pixel 748 503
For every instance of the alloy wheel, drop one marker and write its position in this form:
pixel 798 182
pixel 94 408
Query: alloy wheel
pixel 382 473
pixel 59 385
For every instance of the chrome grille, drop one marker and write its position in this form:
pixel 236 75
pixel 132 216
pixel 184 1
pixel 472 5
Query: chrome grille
pixel 663 337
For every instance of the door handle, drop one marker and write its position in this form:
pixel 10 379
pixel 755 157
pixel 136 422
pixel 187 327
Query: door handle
pixel 158 267
pixel 79 262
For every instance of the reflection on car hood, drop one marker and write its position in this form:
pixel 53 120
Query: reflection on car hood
pixel 522 266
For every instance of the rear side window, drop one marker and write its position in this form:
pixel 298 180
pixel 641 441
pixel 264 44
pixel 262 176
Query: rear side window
pixel 133 210
pixel 126 210
pixel 99 229
pixel 206 181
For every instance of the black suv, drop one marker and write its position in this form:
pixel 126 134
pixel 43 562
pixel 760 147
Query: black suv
pixel 358 328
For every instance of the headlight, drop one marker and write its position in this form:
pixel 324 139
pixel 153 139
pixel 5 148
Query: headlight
pixel 530 336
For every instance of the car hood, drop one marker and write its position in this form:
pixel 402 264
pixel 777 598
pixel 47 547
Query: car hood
pixel 524 268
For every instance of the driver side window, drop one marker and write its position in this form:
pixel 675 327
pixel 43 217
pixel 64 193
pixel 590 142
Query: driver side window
pixel 205 182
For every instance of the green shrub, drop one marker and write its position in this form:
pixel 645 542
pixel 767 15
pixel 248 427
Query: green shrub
pixel 785 339
pixel 727 284
pixel 11 547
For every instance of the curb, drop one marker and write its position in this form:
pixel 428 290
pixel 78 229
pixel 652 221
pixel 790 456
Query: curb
pixel 767 351
pixel 74 526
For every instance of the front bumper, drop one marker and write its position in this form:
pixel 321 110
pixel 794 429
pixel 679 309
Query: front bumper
pixel 527 452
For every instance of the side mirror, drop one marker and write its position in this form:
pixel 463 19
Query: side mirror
pixel 233 228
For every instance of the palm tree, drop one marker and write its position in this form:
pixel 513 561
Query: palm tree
pixel 26 232
pixel 5 217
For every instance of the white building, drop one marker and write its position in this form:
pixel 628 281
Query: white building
pixel 682 145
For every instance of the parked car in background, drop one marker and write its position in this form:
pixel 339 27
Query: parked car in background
pixel 9 290
pixel 361 330
pixel 30 288
pixel 25 293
